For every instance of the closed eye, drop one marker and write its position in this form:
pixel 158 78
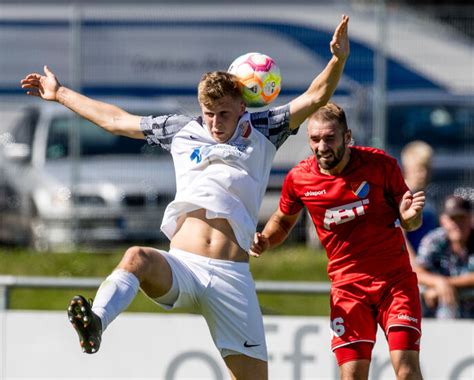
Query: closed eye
pixel 326 139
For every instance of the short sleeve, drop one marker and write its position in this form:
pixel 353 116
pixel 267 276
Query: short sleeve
pixel 274 124
pixel 290 203
pixel 160 130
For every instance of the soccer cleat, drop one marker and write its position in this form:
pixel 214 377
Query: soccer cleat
pixel 87 325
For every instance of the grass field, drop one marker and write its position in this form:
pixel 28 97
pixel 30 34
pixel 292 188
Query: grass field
pixel 289 263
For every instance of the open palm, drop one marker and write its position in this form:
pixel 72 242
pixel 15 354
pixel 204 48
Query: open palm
pixel 44 86
pixel 340 40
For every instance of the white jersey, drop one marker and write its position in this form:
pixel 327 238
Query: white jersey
pixel 229 179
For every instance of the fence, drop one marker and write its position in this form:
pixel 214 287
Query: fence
pixel 8 282
pixel 268 287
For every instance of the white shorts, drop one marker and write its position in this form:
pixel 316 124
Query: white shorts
pixel 224 293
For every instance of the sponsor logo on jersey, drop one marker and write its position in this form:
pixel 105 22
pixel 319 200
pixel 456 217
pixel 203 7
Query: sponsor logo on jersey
pixel 226 152
pixel 361 189
pixel 196 155
pixel 407 318
pixel 344 213
pixel 315 193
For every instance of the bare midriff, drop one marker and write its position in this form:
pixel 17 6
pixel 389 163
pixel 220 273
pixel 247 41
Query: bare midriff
pixel 213 238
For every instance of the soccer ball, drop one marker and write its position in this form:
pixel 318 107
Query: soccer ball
pixel 259 76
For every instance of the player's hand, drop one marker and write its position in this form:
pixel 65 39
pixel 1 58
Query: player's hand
pixel 44 86
pixel 260 244
pixel 340 40
pixel 412 205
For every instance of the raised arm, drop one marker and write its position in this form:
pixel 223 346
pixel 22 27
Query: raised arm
pixel 107 116
pixel 275 232
pixel 324 85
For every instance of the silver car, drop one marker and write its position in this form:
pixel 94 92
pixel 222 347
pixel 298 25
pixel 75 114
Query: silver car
pixel 64 181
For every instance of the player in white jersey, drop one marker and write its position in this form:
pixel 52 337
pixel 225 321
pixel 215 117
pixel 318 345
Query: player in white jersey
pixel 222 162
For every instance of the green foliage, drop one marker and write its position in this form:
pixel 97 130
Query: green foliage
pixel 287 263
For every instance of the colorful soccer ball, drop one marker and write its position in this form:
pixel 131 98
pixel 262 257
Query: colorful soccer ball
pixel 260 78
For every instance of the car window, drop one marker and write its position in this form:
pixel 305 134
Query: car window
pixel 445 127
pixel 94 141
pixel 24 129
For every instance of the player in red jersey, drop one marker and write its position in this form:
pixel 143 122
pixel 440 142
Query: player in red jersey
pixel 355 195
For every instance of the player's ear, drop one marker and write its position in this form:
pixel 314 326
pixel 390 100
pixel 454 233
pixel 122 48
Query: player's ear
pixel 348 137
pixel 243 107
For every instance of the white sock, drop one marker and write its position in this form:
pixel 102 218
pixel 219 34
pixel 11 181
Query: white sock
pixel 114 295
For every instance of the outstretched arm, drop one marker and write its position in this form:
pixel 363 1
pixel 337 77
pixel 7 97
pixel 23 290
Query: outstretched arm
pixel 275 232
pixel 324 85
pixel 107 116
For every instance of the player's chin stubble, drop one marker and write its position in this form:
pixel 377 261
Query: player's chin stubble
pixel 337 157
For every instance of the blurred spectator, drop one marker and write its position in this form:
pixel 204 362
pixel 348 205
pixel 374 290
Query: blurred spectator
pixel 416 159
pixel 445 263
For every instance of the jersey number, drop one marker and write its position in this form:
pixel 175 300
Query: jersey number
pixel 337 326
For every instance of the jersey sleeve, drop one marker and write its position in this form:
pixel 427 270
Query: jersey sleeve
pixel 274 124
pixel 160 130
pixel 290 203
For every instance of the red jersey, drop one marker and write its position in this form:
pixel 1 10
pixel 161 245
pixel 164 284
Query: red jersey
pixel 354 213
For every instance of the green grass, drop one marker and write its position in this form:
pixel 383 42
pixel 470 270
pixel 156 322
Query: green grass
pixel 288 263
pixel 292 263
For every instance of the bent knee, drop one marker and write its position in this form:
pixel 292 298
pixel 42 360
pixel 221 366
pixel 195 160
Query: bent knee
pixel 136 260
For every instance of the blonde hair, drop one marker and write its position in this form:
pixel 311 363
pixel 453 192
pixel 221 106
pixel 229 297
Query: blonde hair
pixel 216 85
pixel 417 151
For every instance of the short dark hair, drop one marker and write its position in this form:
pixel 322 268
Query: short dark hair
pixel 216 85
pixel 331 112
pixel 455 205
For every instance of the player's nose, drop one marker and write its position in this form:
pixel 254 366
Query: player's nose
pixel 322 146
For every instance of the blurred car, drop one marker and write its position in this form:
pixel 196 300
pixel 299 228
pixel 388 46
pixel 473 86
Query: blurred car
pixel 113 190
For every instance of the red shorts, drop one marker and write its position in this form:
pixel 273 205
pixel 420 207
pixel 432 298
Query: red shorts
pixel 358 307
